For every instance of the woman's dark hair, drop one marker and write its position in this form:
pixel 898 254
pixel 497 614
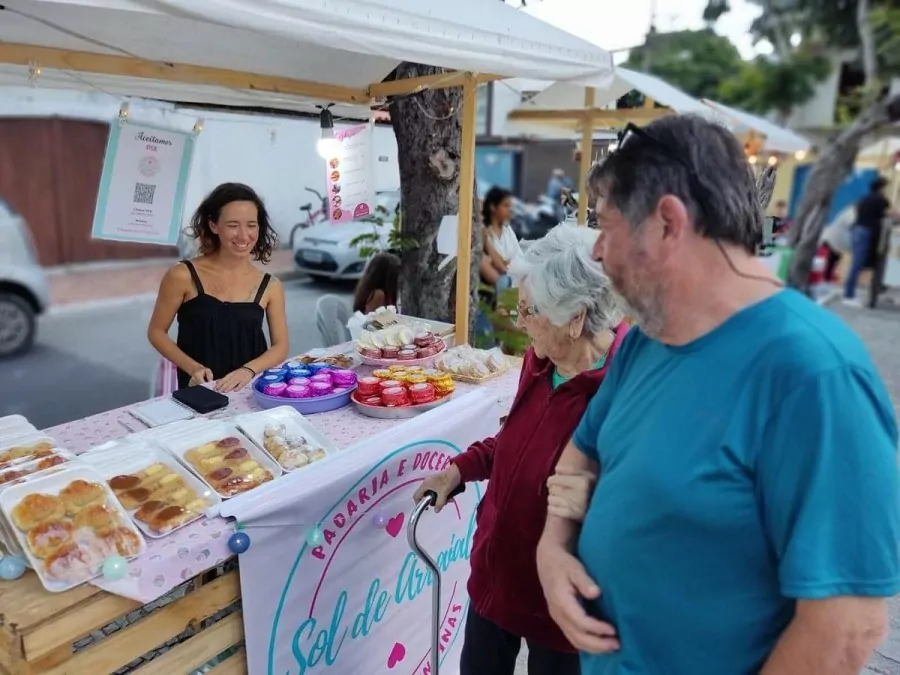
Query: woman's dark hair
pixel 878 184
pixel 494 197
pixel 210 210
pixel 382 274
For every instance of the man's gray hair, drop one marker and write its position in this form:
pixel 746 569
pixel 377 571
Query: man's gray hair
pixel 698 161
pixel 561 279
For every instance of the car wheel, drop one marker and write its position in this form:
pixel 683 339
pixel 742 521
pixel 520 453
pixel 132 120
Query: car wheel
pixel 18 325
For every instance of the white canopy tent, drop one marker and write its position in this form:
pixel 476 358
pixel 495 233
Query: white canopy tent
pixel 564 105
pixel 292 54
pixel 775 139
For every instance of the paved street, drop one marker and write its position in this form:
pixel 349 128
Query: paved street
pixel 91 360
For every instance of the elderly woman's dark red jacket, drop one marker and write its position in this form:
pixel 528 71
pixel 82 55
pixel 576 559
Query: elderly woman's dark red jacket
pixel 503 585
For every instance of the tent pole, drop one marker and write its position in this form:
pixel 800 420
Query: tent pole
pixel 464 230
pixel 587 147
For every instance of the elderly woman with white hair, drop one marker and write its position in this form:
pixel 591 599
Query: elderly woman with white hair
pixel 568 309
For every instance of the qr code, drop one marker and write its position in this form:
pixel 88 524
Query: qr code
pixel 143 193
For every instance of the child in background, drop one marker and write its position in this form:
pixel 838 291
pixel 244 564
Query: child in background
pixel 379 284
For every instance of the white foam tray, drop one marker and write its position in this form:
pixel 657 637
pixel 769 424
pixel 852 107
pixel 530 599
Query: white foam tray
pixel 51 484
pixel 254 426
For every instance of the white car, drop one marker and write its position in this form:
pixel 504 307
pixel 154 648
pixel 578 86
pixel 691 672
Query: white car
pixel 324 251
pixel 24 291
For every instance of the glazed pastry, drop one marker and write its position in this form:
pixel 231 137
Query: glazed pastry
pixel 68 564
pixel 98 517
pixel 125 482
pixel 37 508
pixel 46 538
pixel 169 518
pixel 195 455
pixel 145 513
pixel 134 498
pixel 230 442
pixel 80 494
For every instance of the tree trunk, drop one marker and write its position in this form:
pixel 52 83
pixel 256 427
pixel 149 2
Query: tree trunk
pixel 765 186
pixel 867 43
pixel 826 175
pixel 428 130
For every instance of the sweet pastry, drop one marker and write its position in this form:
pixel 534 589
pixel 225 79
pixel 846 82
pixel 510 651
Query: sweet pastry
pixel 134 498
pixel 35 509
pixel 97 517
pixel 45 539
pixel 118 541
pixel 69 564
pixel 145 513
pixel 124 482
pixel 80 494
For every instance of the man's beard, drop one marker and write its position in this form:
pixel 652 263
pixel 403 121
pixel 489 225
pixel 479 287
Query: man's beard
pixel 644 306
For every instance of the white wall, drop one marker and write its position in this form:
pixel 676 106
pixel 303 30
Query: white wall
pixel 274 155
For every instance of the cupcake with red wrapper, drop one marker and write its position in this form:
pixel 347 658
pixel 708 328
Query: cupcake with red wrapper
pixel 394 397
pixel 389 352
pixel 369 386
pixel 407 355
pixel 421 392
pixel 424 339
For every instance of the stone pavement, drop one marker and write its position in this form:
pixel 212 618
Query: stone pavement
pixel 93 283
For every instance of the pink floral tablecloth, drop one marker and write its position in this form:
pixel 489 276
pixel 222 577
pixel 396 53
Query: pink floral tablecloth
pixel 202 545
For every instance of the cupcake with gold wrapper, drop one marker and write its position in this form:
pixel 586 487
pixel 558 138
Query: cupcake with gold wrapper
pixel 383 374
pixel 416 378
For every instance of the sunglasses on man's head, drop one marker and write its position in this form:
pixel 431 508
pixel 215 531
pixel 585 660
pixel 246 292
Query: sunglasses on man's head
pixel 697 188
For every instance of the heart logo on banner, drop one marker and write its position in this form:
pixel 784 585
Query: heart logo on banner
pixel 398 653
pixel 394 525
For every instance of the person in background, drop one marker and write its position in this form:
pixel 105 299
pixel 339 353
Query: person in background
pixel 747 511
pixel 221 298
pixel 501 246
pixel 783 224
pixel 836 240
pixel 570 313
pixel 871 211
pixel 558 186
pixel 379 284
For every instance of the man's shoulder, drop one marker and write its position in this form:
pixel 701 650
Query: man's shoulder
pixel 801 340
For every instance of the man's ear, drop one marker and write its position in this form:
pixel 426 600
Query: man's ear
pixel 674 216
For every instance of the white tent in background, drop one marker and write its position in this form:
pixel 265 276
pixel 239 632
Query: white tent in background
pixel 293 54
pixel 776 138
pixel 170 49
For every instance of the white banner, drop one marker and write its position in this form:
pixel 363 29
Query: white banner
pixel 358 600
pixel 142 188
pixel 350 175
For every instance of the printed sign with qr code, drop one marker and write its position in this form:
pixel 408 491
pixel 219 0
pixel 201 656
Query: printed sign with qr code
pixel 144 183
pixel 143 193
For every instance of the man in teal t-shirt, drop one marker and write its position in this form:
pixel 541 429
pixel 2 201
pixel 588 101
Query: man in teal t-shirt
pixel 747 513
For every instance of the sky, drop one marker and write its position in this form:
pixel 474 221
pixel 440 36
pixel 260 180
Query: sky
pixel 603 22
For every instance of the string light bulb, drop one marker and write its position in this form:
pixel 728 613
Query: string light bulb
pixel 773 160
pixel 327 146
pixel 800 155
pixel 752 159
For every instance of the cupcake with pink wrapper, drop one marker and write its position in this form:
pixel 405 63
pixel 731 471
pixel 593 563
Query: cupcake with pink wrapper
pixel 343 378
pixel 328 389
pixel 298 391
pixel 275 388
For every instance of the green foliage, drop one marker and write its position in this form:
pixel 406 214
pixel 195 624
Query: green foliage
pixel 503 322
pixel 886 28
pixel 695 61
pixel 371 243
pixel 765 84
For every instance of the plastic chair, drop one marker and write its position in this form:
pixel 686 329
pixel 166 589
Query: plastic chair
pixel 332 315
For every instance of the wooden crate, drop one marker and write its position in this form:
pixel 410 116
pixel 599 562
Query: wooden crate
pixel 39 630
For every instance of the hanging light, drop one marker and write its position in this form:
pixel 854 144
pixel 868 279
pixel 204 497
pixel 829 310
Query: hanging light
pixel 773 160
pixel 752 159
pixel 327 146
pixel 800 155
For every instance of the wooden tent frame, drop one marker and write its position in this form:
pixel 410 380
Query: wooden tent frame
pixel 89 62
pixel 588 120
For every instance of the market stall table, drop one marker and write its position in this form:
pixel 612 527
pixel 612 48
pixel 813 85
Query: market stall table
pixel 182 591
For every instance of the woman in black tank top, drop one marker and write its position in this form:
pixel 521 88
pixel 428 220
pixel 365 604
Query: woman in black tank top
pixel 221 298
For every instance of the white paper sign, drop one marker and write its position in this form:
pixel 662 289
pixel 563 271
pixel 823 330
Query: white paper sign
pixel 358 600
pixel 350 175
pixel 142 188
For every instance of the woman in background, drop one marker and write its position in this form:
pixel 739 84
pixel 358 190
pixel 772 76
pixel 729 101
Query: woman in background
pixel 501 246
pixel 379 284
pixel 220 298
